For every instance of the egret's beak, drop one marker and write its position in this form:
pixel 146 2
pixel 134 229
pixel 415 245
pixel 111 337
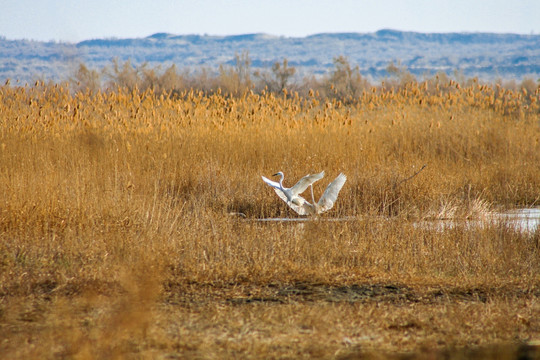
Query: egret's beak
pixel 276 174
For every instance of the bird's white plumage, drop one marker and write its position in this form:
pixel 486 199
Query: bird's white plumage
pixel 306 181
pixel 291 196
pixel 327 200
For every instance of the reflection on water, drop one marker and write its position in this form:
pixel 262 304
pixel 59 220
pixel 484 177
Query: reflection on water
pixel 305 219
pixel 526 220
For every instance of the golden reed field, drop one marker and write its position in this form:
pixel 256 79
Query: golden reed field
pixel 120 235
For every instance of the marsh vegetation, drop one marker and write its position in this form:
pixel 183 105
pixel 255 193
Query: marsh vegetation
pixel 116 239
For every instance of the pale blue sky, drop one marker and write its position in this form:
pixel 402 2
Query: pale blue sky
pixel 74 21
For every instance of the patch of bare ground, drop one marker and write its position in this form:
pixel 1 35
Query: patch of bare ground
pixel 186 319
pixel 392 293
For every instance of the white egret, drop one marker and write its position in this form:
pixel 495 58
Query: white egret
pixel 292 195
pixel 327 200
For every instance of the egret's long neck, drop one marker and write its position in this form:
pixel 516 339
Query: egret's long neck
pixel 281 180
pixel 312 197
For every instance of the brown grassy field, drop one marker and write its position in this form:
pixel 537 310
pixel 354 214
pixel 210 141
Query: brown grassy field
pixel 116 238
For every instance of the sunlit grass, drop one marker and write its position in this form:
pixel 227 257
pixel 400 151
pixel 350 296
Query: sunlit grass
pixel 115 207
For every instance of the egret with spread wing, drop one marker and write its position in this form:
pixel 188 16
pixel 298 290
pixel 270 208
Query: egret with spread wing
pixel 292 195
pixel 327 200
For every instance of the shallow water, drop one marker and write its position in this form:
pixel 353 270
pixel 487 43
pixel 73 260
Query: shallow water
pixel 305 219
pixel 526 220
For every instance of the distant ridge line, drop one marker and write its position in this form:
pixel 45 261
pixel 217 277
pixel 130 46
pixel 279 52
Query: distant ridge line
pixel 487 56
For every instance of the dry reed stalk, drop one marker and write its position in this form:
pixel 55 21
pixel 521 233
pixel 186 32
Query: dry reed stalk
pixel 92 185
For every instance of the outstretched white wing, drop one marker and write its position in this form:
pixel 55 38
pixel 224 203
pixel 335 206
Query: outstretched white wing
pixel 326 202
pixel 270 182
pixel 304 182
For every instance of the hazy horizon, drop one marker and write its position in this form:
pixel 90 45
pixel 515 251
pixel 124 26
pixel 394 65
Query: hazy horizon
pixel 262 33
pixel 57 20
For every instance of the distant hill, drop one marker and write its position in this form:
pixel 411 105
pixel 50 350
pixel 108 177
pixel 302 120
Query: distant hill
pixel 486 55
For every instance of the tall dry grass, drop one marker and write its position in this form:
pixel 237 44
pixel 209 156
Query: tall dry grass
pixel 89 181
pixel 97 186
